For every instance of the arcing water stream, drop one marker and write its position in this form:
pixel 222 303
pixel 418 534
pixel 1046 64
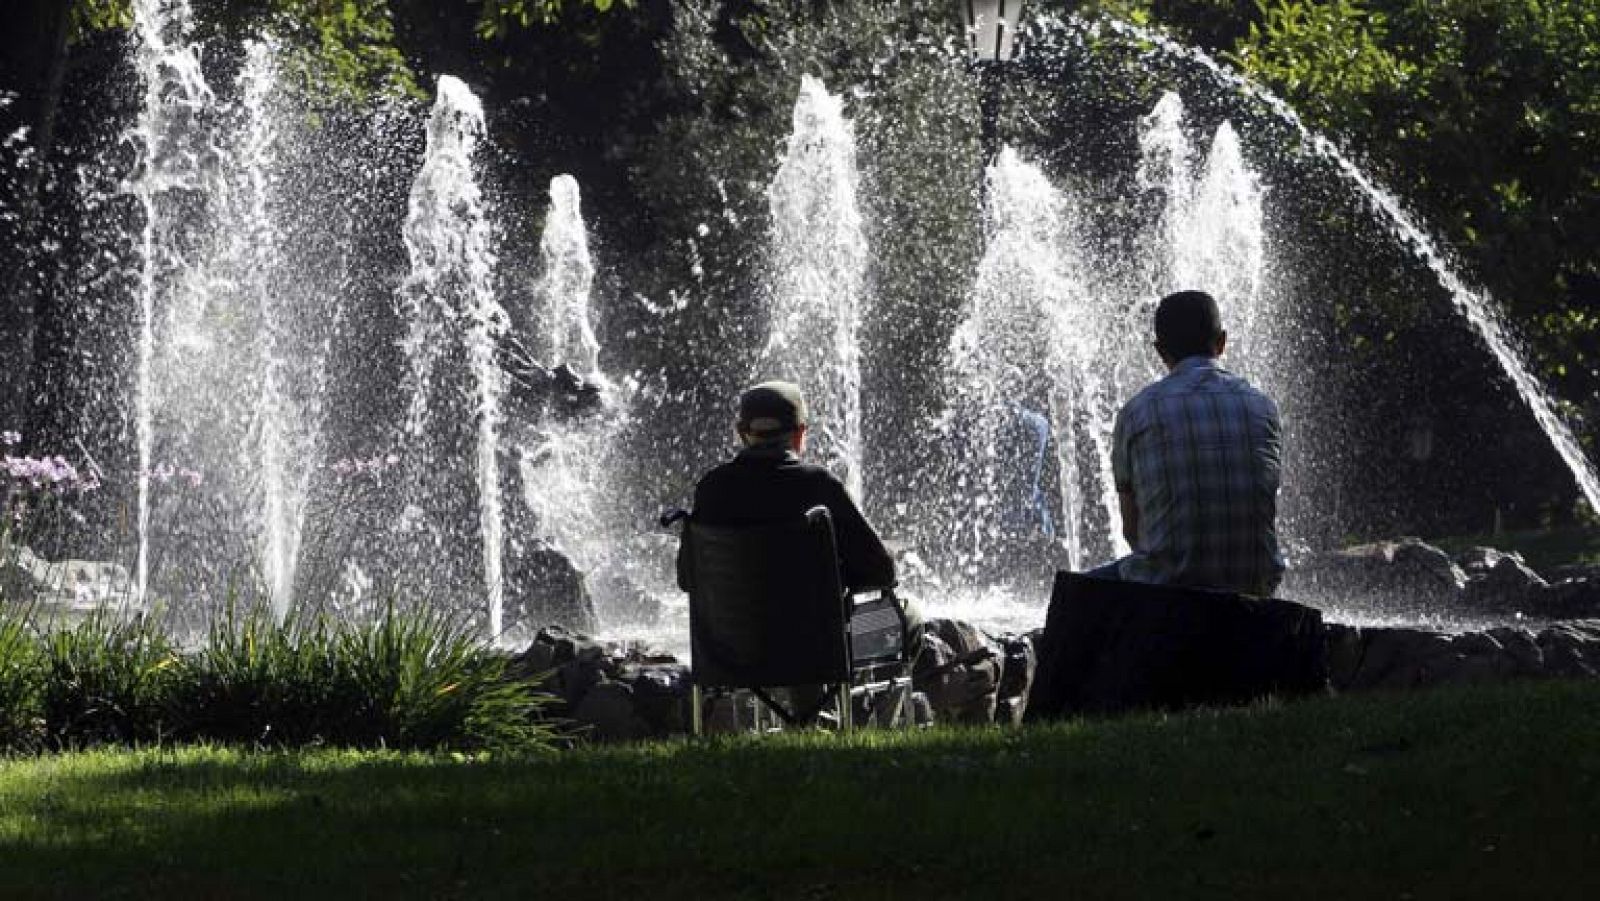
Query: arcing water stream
pixel 1474 306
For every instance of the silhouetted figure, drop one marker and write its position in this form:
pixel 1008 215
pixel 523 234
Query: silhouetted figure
pixel 767 482
pixel 1196 459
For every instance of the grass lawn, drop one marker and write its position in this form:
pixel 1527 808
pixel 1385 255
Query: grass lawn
pixel 1481 793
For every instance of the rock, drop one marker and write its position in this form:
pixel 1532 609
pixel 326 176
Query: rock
pixel 567 663
pixel 1478 561
pixel 1521 649
pixel 1017 665
pixel 1345 654
pixel 661 696
pixel 608 712
pixel 1403 575
pixel 1567 599
pixel 542 587
pixel 1507 586
pixel 1571 649
pixel 1111 646
pixel 1414 554
pixel 65 591
pixel 1420 658
pixel 1573 572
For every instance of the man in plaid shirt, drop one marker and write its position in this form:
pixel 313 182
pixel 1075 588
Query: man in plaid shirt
pixel 1196 460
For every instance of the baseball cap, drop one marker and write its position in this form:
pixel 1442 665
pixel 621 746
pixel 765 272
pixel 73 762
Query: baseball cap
pixel 771 408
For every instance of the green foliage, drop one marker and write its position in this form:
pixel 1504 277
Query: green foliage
pixel 1486 115
pixel 417 680
pixel 91 16
pixel 258 683
pixel 347 45
pixel 1329 56
pixel 109 680
pixel 500 17
pixel 407 680
pixel 21 680
pixel 412 680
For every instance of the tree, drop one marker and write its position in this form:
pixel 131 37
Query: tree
pixel 33 55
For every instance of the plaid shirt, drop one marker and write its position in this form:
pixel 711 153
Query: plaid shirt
pixel 1199 450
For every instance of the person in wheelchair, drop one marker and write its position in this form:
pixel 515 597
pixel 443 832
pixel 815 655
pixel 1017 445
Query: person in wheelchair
pixel 766 482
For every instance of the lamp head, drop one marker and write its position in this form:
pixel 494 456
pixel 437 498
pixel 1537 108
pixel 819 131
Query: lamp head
pixel 992 27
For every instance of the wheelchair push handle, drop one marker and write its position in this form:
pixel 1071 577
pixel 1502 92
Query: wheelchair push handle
pixel 671 517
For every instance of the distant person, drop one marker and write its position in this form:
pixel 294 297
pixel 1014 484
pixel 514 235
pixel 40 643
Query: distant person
pixel 1028 505
pixel 1196 460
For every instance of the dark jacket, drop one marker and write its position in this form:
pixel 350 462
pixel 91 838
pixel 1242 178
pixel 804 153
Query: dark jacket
pixel 765 484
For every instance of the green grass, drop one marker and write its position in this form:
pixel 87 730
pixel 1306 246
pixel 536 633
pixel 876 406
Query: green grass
pixel 1482 793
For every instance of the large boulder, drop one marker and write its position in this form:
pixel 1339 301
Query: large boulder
pixel 1400 576
pixel 1479 560
pixel 1112 646
pixel 1573 598
pixel 543 586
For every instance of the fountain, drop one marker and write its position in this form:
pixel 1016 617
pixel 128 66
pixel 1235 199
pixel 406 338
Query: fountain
pixel 818 290
pixel 260 356
pixel 1474 306
pixel 451 430
pixel 1007 415
pixel 170 170
pixel 567 450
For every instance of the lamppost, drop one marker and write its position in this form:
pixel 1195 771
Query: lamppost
pixel 992 27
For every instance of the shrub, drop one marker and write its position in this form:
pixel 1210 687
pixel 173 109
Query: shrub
pixel 109 680
pixel 420 680
pixel 412 680
pixel 256 681
pixel 21 680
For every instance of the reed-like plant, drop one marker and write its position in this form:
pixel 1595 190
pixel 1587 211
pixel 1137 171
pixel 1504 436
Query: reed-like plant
pixel 409 679
pixel 419 679
pixel 110 679
pixel 21 683
pixel 256 681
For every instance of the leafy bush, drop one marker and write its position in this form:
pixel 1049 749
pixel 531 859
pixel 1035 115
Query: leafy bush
pixel 256 681
pixel 406 680
pixel 109 680
pixel 21 679
pixel 416 679
pixel 420 680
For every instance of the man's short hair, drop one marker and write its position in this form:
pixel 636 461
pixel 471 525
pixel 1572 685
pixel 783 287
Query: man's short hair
pixel 771 410
pixel 1188 324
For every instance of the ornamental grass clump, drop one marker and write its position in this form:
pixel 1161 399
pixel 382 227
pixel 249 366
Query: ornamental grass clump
pixel 413 679
pixel 420 679
pixel 256 681
pixel 21 684
pixel 111 679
